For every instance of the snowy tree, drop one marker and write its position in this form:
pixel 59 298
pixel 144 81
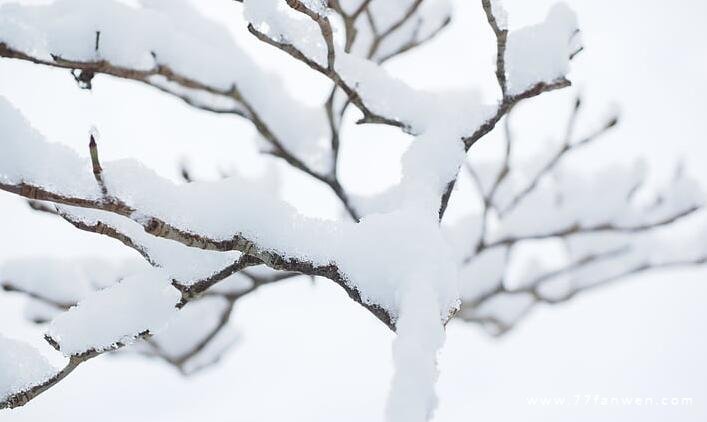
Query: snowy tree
pixel 206 244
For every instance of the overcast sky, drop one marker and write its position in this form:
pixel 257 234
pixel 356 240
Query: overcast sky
pixel 308 353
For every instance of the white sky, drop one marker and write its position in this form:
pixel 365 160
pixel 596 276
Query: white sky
pixel 308 352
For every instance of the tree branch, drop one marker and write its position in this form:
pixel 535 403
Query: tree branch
pixel 604 227
pixel 501 39
pixel 159 228
pixel 567 147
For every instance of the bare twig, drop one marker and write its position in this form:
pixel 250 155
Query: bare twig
pixel 95 163
pixel 501 39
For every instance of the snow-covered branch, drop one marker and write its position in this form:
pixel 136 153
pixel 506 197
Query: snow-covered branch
pixel 221 78
pixel 189 343
pixel 630 231
pixel 209 243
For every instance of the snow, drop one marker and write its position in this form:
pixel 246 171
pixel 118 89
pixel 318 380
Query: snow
pixel 182 263
pixel 215 209
pixel 420 337
pixel 500 13
pixel 540 53
pixel 173 34
pixel 27 157
pixel 64 28
pixel 21 367
pixel 318 6
pixel 237 283
pixel 386 254
pixel 213 352
pixel 565 198
pixel 189 328
pixel 463 234
pixel 526 264
pixel 422 24
pixel 504 309
pixel 140 303
pixel 61 281
pixel 429 17
pixel 483 273
pixel 291 27
pixel 49 278
pixel 381 92
pixel 191 325
pixel 440 120
pixel 398 257
pixel 568 198
pixel 38 311
pixel 384 257
pixel 621 254
pixel 197 97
